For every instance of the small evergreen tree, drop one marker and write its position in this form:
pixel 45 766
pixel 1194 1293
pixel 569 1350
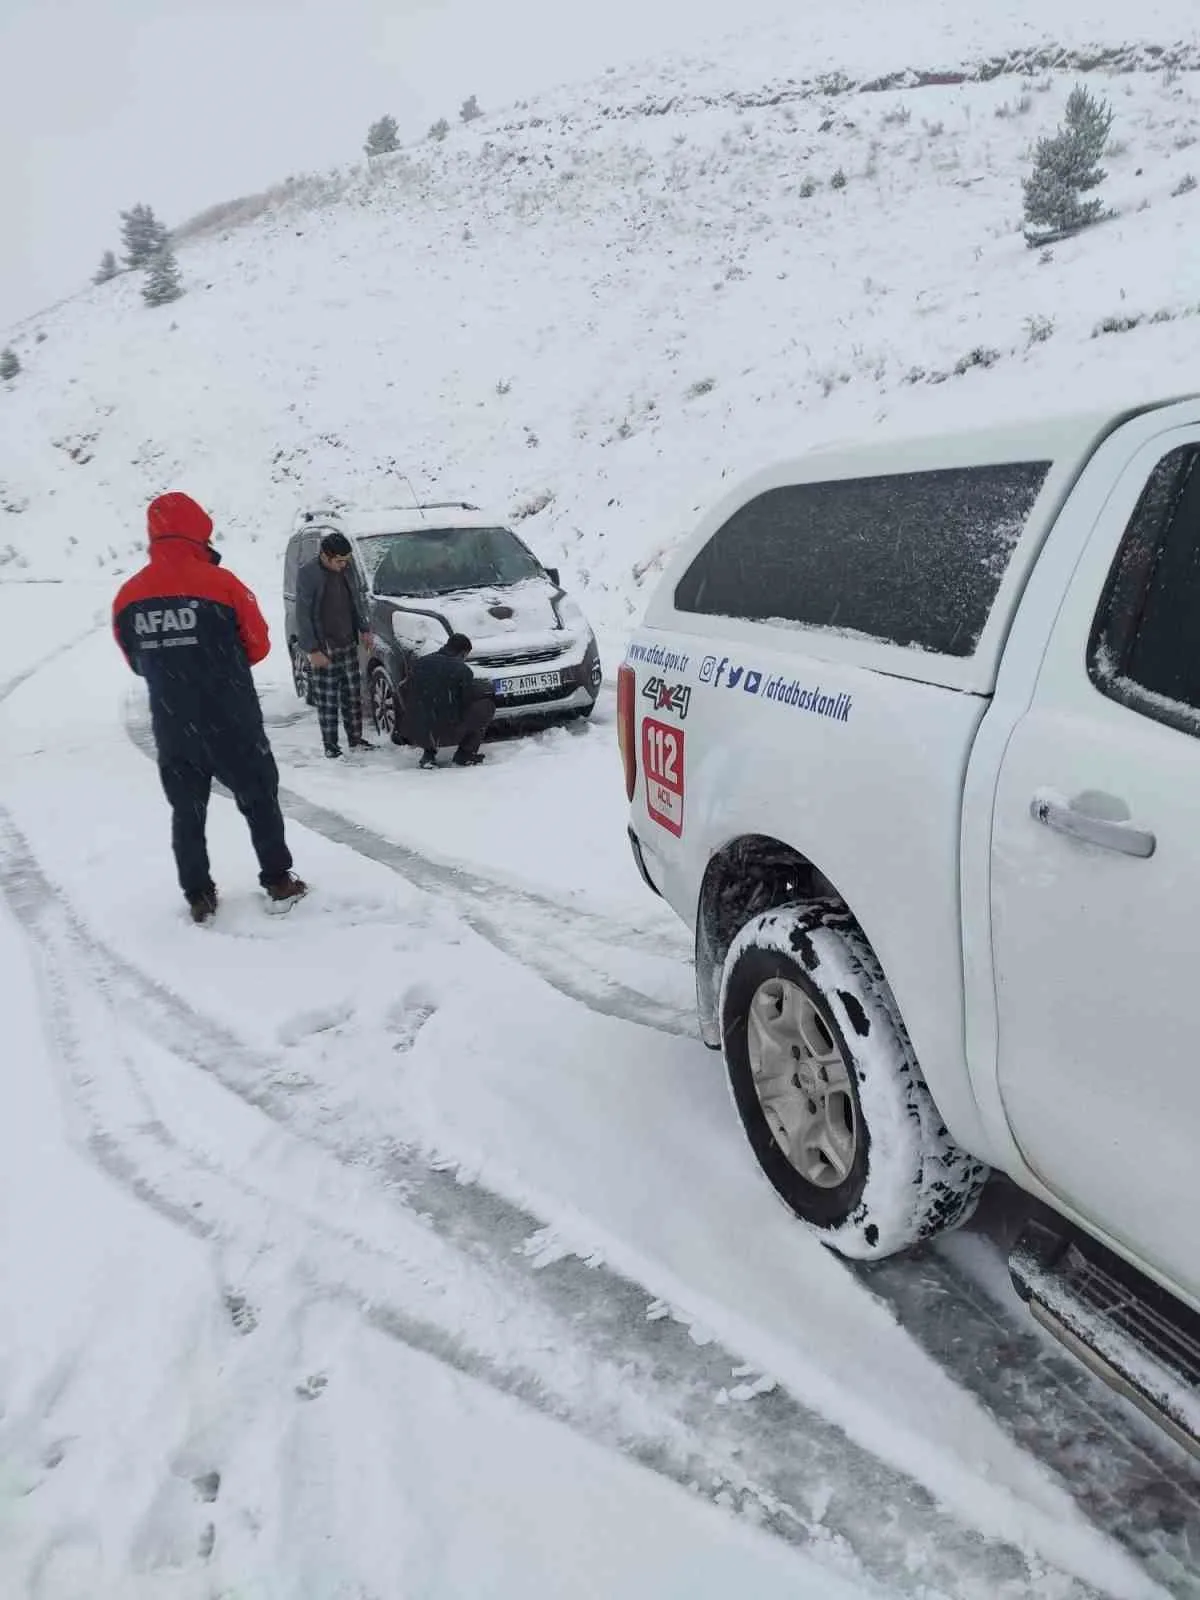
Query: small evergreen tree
pixel 163 283
pixel 382 137
pixel 143 236
pixel 107 269
pixel 469 110
pixel 10 363
pixel 1065 167
pixel 440 129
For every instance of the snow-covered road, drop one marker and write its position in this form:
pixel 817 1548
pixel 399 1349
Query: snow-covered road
pixel 381 1249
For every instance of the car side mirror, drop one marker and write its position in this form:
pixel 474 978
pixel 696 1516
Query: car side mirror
pixel 552 574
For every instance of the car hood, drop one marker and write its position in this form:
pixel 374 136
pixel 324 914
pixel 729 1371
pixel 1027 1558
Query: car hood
pixel 501 617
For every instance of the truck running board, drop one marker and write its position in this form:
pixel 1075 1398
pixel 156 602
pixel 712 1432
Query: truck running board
pixel 1130 1332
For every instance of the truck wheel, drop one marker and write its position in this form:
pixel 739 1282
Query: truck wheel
pixel 829 1090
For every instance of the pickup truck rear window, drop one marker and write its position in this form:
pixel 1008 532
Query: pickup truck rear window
pixel 912 558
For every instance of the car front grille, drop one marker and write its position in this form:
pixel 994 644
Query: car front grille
pixel 515 658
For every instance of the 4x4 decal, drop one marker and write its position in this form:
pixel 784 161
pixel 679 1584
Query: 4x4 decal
pixel 664 696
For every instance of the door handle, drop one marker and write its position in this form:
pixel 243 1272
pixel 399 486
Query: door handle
pixel 1054 812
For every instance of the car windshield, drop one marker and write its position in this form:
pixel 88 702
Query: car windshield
pixel 441 560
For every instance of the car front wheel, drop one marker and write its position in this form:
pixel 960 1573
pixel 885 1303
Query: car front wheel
pixel 302 675
pixel 829 1091
pixel 383 702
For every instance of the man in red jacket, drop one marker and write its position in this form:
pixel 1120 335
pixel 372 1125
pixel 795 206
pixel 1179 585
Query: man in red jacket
pixel 193 632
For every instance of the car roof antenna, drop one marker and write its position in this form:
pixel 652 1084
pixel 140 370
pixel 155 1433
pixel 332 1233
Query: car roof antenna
pixel 403 476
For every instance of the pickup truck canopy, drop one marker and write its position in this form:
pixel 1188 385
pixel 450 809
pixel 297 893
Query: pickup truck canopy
pixel 907 556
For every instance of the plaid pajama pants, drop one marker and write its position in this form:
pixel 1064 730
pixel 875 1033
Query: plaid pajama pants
pixel 339 685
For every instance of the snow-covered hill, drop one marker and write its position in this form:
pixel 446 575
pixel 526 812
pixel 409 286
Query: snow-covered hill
pixel 589 311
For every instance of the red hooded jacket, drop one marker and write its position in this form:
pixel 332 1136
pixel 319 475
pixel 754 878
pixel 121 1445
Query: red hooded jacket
pixel 184 564
pixel 192 630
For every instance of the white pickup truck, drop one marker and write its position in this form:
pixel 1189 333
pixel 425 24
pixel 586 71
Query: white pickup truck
pixel 911 737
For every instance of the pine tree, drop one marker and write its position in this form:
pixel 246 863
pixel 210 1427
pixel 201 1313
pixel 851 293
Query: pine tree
pixel 143 236
pixel 440 129
pixel 107 269
pixel 162 283
pixel 382 137
pixel 10 364
pixel 469 110
pixel 1065 167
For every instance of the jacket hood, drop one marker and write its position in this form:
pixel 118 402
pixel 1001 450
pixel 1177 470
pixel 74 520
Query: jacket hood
pixel 178 516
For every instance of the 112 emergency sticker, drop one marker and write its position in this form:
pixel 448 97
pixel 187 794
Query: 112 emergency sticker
pixel 662 762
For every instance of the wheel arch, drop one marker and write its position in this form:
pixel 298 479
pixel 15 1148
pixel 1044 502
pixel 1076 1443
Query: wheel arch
pixel 746 876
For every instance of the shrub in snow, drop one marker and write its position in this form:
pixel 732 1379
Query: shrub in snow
pixel 439 129
pixel 1185 186
pixel 10 364
pixel 839 180
pixel 1066 166
pixel 1039 329
pixel 163 283
pixel 808 188
pixel 382 137
pixel 107 269
pixel 704 386
pixel 981 356
pixel 469 110
pixel 1115 325
pixel 143 236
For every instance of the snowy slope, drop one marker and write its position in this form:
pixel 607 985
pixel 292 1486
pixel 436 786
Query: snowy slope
pixel 610 301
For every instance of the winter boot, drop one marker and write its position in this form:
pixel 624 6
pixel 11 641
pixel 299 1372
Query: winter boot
pixel 285 891
pixel 361 744
pixel 469 761
pixel 203 905
pixel 332 752
pixel 429 759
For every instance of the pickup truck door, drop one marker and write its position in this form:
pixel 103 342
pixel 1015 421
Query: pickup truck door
pixel 1095 879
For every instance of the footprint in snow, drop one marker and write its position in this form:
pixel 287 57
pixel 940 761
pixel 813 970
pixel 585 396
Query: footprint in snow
pixel 312 1387
pixel 409 1015
pixel 241 1313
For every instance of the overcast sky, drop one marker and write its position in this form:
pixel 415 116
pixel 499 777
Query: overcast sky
pixel 181 103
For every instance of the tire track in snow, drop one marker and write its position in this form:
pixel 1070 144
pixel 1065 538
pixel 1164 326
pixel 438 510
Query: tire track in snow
pixel 1132 1484
pixel 550 938
pixel 647 1389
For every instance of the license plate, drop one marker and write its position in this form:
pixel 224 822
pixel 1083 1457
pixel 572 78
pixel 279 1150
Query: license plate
pixel 535 683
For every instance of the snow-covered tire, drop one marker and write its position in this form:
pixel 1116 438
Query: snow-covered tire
pixel 906 1179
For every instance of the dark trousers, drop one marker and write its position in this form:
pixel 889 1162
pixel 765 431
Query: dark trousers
pixel 252 777
pixel 339 686
pixel 468 736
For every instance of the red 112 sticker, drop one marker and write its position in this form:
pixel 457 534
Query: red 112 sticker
pixel 662 762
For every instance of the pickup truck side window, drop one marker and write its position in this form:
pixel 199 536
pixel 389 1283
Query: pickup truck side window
pixel 912 558
pixel 1143 650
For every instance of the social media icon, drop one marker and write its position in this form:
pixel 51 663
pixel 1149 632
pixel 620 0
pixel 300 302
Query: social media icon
pixel 707 667
pixel 735 676
pixel 753 681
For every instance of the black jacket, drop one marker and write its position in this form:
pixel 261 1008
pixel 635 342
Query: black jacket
pixel 310 591
pixel 439 689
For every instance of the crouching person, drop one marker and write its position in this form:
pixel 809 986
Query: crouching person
pixel 445 704
pixel 192 631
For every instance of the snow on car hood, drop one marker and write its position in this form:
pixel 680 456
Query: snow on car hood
pixel 532 619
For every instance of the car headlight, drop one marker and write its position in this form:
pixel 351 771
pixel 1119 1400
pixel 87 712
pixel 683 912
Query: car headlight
pixel 416 633
pixel 569 614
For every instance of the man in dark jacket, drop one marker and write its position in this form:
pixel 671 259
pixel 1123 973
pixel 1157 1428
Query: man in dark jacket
pixel 329 626
pixel 445 704
pixel 193 632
